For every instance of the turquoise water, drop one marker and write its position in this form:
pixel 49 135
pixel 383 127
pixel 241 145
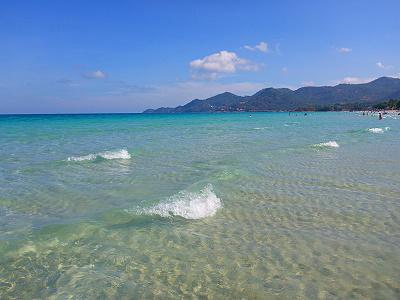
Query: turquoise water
pixel 204 206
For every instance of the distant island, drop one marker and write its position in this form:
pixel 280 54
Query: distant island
pixel 377 94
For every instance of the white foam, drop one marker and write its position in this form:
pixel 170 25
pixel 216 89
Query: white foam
pixel 117 154
pixel 82 158
pixel 260 128
pixel 332 144
pixel 378 130
pixel 187 205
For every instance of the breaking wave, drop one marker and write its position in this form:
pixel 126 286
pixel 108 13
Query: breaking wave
pixel 188 205
pixel 378 130
pixel 331 144
pixel 117 154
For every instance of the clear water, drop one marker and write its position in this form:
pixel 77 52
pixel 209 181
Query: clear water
pixel 218 206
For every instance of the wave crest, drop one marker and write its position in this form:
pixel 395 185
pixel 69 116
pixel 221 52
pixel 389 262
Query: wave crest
pixel 117 154
pixel 378 130
pixel 331 144
pixel 188 205
pixel 261 128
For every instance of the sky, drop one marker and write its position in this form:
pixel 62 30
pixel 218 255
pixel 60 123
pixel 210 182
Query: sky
pixel 127 56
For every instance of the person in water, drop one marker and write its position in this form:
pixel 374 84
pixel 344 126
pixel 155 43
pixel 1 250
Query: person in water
pixel 380 116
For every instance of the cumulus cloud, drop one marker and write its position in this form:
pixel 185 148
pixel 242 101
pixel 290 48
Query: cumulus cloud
pixel 262 47
pixel 223 62
pixel 95 75
pixel 344 50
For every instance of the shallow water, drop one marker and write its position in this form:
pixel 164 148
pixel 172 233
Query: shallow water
pixel 219 206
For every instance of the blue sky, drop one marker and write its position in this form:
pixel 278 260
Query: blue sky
pixel 126 56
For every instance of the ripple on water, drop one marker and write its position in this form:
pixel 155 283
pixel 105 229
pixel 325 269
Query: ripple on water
pixel 295 222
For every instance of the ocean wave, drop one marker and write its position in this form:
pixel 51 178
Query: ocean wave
pixel 117 154
pixel 331 144
pixel 378 130
pixel 185 204
pixel 261 128
pixel 290 124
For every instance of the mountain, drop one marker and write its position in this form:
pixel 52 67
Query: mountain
pixel 307 98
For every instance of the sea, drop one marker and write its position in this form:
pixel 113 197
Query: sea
pixel 200 206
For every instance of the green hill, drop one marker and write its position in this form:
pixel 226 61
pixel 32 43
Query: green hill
pixel 341 96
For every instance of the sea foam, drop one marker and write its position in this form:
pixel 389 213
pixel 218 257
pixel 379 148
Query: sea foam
pixel 261 128
pixel 188 205
pixel 332 144
pixel 378 130
pixel 117 154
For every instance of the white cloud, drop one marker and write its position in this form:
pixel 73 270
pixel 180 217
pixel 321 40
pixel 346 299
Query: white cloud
pixel 284 70
pixel 344 50
pixel 212 66
pixel 354 80
pixel 382 66
pixel 262 46
pixel 95 75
